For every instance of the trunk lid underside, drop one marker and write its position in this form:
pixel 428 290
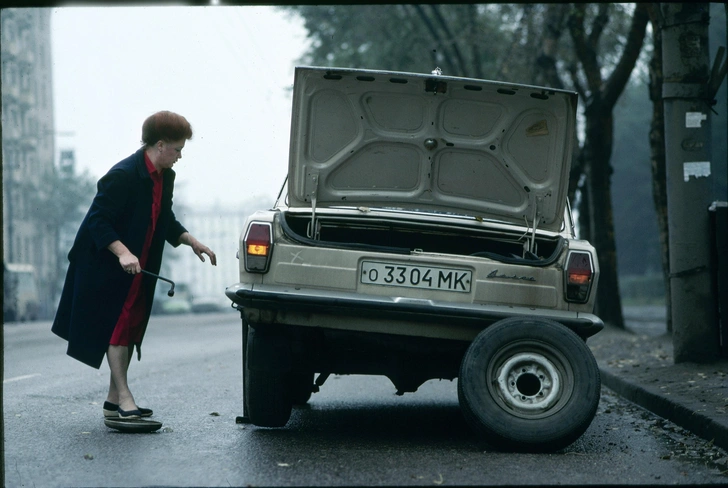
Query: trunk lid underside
pixel 430 142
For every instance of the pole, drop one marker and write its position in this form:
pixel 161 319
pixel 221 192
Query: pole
pixel 686 64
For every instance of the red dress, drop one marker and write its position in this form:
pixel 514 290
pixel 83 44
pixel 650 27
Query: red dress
pixel 128 330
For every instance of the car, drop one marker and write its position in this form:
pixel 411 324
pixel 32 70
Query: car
pixel 168 307
pixel 176 303
pixel 210 304
pixel 21 298
pixel 424 233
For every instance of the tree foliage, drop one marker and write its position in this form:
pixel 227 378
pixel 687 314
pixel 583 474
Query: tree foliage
pixel 463 40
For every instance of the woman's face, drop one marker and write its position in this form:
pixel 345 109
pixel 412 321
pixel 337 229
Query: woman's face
pixel 169 153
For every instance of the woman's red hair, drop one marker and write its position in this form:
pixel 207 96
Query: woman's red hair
pixel 165 126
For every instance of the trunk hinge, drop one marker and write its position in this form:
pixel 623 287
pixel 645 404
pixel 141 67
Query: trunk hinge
pixel 532 226
pixel 313 230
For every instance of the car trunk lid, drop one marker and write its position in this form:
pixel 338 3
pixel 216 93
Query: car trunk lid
pixel 487 149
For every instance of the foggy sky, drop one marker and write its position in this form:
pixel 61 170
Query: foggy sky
pixel 228 70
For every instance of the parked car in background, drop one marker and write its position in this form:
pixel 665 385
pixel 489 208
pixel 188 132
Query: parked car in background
pixel 21 300
pixel 210 304
pixel 179 303
pixel 425 234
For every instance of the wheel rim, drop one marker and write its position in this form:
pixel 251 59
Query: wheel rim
pixel 530 382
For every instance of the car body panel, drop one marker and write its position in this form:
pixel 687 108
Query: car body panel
pixel 386 314
pixel 308 279
pixel 488 149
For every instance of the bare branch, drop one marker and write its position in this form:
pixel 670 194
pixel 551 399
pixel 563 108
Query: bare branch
pixel 473 31
pixel 450 38
pixel 508 56
pixel 573 72
pixel 584 52
pixel 635 39
pixel 436 36
pixel 546 72
pixel 600 21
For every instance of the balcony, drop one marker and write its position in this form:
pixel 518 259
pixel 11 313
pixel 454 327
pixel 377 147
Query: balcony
pixel 11 133
pixel 10 48
pixel 29 142
pixel 27 99
pixel 27 56
pixel 11 91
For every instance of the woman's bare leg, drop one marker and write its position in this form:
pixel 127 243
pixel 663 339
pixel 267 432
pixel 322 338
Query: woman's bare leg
pixel 119 358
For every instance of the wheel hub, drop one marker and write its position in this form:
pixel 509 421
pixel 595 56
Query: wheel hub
pixel 529 382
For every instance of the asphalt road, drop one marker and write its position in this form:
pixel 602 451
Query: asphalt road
pixel 354 432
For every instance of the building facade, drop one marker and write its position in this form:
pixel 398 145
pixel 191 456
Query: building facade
pixel 28 152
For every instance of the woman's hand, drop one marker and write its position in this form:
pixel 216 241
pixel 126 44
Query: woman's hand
pixel 130 263
pixel 198 248
pixel 127 260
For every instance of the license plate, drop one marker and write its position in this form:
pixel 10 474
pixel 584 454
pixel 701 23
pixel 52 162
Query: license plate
pixel 429 277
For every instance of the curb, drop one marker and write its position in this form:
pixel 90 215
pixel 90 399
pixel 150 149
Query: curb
pixel 696 422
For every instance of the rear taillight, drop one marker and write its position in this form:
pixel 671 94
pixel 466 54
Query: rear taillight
pixel 258 247
pixel 579 276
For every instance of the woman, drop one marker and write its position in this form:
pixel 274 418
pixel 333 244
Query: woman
pixel 106 300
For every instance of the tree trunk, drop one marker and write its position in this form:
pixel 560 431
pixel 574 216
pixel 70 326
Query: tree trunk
pixel 599 138
pixel 584 205
pixel 657 152
pixel 597 150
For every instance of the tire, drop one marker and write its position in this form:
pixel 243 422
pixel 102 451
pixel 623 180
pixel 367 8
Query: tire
pixel 301 387
pixel 266 393
pixel 529 384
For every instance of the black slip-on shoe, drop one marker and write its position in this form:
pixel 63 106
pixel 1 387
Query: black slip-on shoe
pixel 112 410
pixel 129 414
pixel 146 412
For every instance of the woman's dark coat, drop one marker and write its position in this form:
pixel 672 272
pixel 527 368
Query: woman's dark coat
pixel 96 286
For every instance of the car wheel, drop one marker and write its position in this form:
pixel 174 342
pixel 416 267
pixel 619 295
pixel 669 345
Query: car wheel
pixel 529 385
pixel 266 393
pixel 301 385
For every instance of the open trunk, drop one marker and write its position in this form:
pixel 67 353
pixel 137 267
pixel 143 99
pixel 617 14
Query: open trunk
pixel 409 236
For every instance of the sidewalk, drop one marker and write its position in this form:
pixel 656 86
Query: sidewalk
pixel 637 363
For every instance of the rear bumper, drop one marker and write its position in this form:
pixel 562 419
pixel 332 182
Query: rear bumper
pixel 384 314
